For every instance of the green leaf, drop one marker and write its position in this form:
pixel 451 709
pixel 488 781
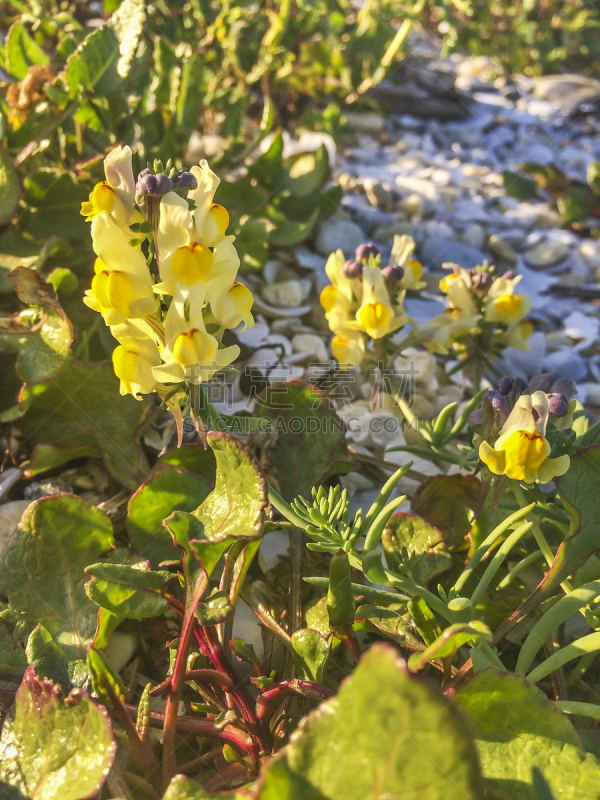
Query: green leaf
pixel 412 535
pixel 517 729
pixel 449 641
pixel 42 354
pixel 51 661
pixel 182 788
pixel 215 609
pixel 105 683
pixel 94 64
pixel 188 534
pixel 251 240
pixel 383 735
pixel 12 656
pixel 22 52
pixel 54 203
pixel 85 416
pixel 281 783
pixel 307 451
pixel 42 568
pixel 127 592
pixel 9 188
pixel 285 232
pixel 593 176
pixel 340 599
pixel 309 652
pixel 168 489
pixel 308 173
pixel 244 652
pixel 236 506
pixel 519 186
pixel 128 23
pixel 54 747
pixel 444 501
pixel 267 167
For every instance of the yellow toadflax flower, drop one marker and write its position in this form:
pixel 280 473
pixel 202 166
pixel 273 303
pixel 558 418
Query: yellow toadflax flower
pixel 210 218
pixel 521 452
pixel 348 348
pixel 503 304
pixel 114 196
pixel 457 286
pixel 378 315
pixel 190 353
pixel 401 256
pixel 122 285
pixel 134 359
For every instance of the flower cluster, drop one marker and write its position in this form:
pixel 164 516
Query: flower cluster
pixel 165 274
pixel 365 301
pixel 512 424
pixel 480 303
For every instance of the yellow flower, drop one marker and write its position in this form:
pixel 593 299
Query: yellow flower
pixel 210 218
pixel 340 298
pixel 503 305
pixel 401 256
pixel 233 307
pixel 122 284
pixel 349 350
pixel 190 353
pixel 115 195
pixel 440 333
pixel 518 333
pixel 457 288
pixel 133 360
pixel 521 452
pixel 377 315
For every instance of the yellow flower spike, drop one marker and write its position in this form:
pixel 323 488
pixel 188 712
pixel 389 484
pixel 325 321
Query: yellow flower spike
pixel 122 284
pixel 234 307
pixel 349 350
pixel 518 333
pixel 191 263
pixel 521 452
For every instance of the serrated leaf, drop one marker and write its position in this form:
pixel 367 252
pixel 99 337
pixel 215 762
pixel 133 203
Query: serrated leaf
pixel 9 188
pixel 383 735
pixel 22 51
pixel 444 501
pixel 168 489
pixel 106 685
pixel 127 592
pixel 12 656
pixel 518 729
pixel 236 506
pixel 55 747
pixel 42 568
pixel 78 407
pixel 215 609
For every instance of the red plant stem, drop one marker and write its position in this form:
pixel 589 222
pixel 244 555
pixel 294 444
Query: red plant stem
pixel 142 750
pixel 199 727
pixel 195 594
pixel 314 691
pixel 211 676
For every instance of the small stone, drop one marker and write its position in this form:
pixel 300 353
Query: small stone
pixel 288 294
pixel 338 234
pixel 412 206
pixel 473 235
pixel 386 231
pixel 273 546
pixel 47 488
pixel 10 516
pixel 546 254
pixel 380 195
pixel 566 363
pixel 311 345
pixel 365 122
pixel 437 250
pixel 502 249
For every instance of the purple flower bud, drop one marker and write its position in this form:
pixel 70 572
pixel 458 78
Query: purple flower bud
pixel 186 181
pixel 352 269
pixel 481 282
pixel 392 273
pixel 519 386
pixel 154 185
pixel 558 405
pixel 365 251
pixel 564 386
pixel 510 275
pixel 542 382
pixel 505 385
pixel 146 171
pixel 497 401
